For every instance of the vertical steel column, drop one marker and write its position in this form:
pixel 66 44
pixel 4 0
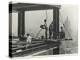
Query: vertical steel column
pixel 10 29
pixel 10 34
pixel 55 22
pixel 56 28
pixel 21 23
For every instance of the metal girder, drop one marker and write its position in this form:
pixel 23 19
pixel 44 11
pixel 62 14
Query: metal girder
pixel 55 23
pixel 21 23
pixel 30 7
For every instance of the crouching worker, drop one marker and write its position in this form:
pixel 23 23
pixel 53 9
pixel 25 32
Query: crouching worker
pixel 28 40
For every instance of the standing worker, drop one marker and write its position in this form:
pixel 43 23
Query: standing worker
pixel 51 30
pixel 62 33
pixel 62 41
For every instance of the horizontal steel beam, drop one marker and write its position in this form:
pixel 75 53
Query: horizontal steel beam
pixel 30 7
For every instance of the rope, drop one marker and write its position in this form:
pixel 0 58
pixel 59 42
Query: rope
pixel 38 33
pixel 46 15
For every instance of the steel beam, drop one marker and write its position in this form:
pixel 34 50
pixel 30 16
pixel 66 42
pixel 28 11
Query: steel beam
pixel 55 23
pixel 21 23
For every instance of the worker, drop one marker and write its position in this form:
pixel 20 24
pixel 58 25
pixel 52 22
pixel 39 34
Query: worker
pixel 50 30
pixel 28 40
pixel 62 33
pixel 62 41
